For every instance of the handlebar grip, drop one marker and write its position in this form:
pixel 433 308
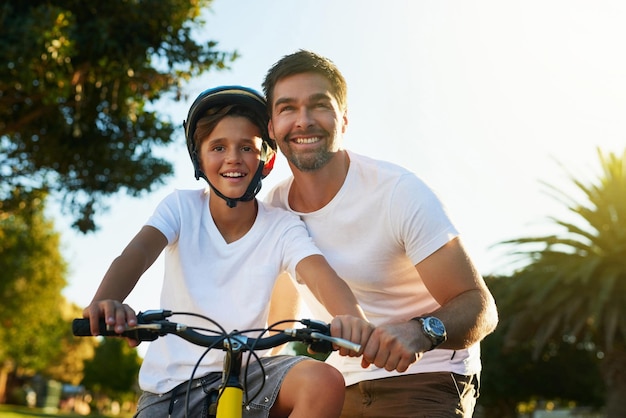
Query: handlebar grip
pixel 81 328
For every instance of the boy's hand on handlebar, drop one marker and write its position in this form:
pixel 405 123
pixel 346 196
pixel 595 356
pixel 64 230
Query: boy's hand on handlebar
pixel 114 312
pixel 353 329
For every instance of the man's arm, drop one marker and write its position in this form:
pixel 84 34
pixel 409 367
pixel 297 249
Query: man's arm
pixel 285 300
pixel 467 310
pixel 284 304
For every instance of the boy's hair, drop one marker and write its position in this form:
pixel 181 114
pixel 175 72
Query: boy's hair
pixel 304 61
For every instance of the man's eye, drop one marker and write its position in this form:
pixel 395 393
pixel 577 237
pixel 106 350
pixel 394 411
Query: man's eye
pixel 283 109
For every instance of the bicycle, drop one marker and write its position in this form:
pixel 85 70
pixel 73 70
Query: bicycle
pixel 227 402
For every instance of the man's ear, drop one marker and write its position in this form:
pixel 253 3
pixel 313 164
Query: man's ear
pixel 269 164
pixel 345 121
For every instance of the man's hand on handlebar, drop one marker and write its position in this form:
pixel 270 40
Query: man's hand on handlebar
pixel 390 346
pixel 115 313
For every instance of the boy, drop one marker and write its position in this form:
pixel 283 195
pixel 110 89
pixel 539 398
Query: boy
pixel 224 250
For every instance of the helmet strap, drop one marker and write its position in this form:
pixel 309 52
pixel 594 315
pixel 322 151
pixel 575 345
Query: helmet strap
pixel 253 188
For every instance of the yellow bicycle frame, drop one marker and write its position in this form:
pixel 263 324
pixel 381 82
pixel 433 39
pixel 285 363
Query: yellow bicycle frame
pixel 230 403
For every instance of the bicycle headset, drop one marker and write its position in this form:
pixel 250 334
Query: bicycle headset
pixel 223 96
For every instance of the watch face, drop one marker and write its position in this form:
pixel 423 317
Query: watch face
pixel 436 326
pixel 434 329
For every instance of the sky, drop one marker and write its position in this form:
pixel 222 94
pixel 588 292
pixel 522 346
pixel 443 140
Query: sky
pixel 484 100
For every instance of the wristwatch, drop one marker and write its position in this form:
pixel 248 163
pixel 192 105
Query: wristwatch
pixel 434 329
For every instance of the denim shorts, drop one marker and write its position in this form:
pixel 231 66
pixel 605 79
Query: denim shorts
pixel 262 385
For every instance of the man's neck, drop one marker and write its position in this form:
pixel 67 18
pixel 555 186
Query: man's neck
pixel 312 190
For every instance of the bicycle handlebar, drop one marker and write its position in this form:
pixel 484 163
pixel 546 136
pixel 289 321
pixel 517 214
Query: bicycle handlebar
pixel 154 324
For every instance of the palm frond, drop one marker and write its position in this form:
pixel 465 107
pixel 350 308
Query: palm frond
pixel 573 283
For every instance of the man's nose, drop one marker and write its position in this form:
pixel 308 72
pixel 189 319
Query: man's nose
pixel 304 117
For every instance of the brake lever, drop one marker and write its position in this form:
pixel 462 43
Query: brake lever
pixel 337 341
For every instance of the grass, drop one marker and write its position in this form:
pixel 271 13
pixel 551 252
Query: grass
pixel 14 411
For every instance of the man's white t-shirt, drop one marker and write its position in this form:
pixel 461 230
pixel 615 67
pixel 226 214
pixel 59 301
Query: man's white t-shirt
pixel 382 222
pixel 231 283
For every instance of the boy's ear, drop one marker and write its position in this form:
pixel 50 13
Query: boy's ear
pixel 269 164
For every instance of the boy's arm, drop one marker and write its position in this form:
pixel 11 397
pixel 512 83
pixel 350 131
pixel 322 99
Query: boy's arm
pixel 331 291
pixel 121 278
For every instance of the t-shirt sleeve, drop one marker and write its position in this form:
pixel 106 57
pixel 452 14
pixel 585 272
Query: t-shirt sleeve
pixel 296 243
pixel 166 217
pixel 419 218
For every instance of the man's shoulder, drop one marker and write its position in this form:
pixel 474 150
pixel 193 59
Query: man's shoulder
pixel 277 215
pixel 377 171
pixel 275 211
pixel 376 164
pixel 276 195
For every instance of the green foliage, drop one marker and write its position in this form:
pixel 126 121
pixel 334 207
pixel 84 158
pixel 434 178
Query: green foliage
pixel 297 348
pixel 33 275
pixel 113 369
pixel 564 374
pixel 77 82
pixel 574 285
pixel 68 365
pixel 15 411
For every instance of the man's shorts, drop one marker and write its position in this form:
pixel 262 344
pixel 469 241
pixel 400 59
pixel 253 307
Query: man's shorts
pixel 441 394
pixel 172 403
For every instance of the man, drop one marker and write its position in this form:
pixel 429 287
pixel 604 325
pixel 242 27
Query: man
pixel 388 236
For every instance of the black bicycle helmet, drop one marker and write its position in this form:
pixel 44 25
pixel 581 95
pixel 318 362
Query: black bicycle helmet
pixel 224 96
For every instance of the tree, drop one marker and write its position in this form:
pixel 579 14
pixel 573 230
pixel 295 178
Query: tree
pixel 511 378
pixel 113 369
pixel 573 288
pixel 69 364
pixel 33 275
pixel 77 84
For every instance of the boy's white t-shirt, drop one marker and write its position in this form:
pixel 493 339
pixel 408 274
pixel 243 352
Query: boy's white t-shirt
pixel 229 283
pixel 382 222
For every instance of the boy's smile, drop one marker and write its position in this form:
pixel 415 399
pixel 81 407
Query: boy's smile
pixel 230 153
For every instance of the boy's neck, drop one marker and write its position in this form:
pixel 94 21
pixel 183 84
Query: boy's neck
pixel 233 223
pixel 312 190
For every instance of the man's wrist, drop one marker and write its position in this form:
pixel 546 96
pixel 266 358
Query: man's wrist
pixel 434 330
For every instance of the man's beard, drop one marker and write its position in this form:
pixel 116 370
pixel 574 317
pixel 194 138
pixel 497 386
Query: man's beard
pixel 310 161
